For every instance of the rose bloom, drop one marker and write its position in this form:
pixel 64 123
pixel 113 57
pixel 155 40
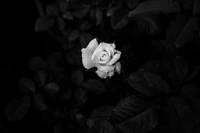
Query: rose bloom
pixel 104 56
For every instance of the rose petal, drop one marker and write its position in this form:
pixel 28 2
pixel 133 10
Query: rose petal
pixel 93 44
pixel 115 58
pixel 118 67
pixel 104 60
pixel 86 58
pixel 105 68
pixel 110 74
pixel 100 49
pixel 113 45
pixel 101 74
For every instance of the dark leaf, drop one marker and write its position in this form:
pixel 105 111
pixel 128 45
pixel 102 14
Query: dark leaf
pixel 1 127
pixel 81 96
pixel 69 45
pixel 86 25
pixel 134 114
pixel 196 115
pixel 157 44
pixel 196 9
pixel 62 113
pixel 192 93
pixel 17 108
pixel 181 68
pixel 74 57
pixel 114 85
pixel 175 27
pixel 102 112
pixel 111 10
pixel 91 70
pixel 170 48
pixel 52 60
pixel 40 78
pixel 94 85
pixel 85 38
pixel 39 102
pixel 70 125
pixel 142 123
pixel 48 116
pixel 185 114
pixel 93 14
pixel 188 33
pixel 62 5
pixel 172 76
pixel 149 25
pixel 77 77
pixel 67 95
pixel 99 2
pixel 68 15
pixel 153 66
pixel 129 108
pixel 81 10
pixel 26 85
pixel 119 19
pixel 52 10
pixel 193 74
pixel 99 16
pixel 155 6
pixel 148 84
pixel 198 130
pixel 96 15
pixel 73 1
pixel 57 128
pixel 170 118
pixel 187 4
pixel 51 88
pixel 60 24
pixel 101 126
pixel 43 23
pixel 80 118
pixel 58 75
pixel 132 3
pixel 74 35
pixel 36 63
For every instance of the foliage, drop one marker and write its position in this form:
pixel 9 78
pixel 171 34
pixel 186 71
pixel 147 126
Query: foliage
pixel 157 90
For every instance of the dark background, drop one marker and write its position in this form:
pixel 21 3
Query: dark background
pixel 19 43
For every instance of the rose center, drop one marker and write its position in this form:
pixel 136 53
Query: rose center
pixel 104 57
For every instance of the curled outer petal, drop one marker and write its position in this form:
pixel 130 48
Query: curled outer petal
pixel 102 47
pixel 113 45
pixel 118 67
pixel 101 74
pixel 105 68
pixel 93 44
pixel 115 58
pixel 110 74
pixel 86 58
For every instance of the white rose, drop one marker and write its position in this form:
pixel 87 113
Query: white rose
pixel 103 56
